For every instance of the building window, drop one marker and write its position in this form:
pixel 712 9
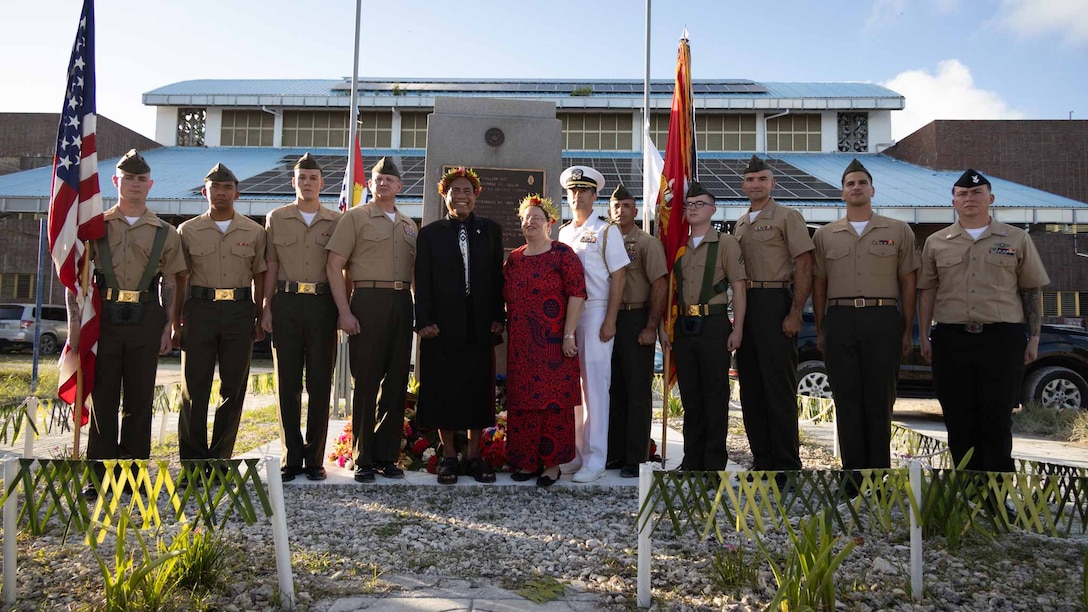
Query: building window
pixel 1065 304
pixel 853 132
pixel 191 122
pixel 596 131
pixel 315 129
pixel 725 132
pixel 794 133
pixel 376 129
pixel 247 128
pixel 413 130
pixel 18 286
pixel 659 129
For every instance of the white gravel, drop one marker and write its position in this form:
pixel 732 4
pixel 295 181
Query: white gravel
pixel 345 539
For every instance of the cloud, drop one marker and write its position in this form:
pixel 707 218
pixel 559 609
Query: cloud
pixel 884 12
pixel 1032 18
pixel 949 94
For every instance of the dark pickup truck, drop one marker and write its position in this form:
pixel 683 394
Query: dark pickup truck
pixel 1056 379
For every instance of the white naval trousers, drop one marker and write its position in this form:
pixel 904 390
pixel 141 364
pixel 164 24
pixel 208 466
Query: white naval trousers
pixel 595 362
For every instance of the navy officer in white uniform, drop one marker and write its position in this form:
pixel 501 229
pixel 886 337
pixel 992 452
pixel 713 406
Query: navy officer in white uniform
pixel 599 244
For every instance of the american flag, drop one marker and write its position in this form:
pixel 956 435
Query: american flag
pixel 75 210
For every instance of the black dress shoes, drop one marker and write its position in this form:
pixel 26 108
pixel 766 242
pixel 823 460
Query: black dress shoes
pixel 389 470
pixel 288 472
pixel 613 464
pixel 364 473
pixel 629 471
pixel 524 476
pixel 316 473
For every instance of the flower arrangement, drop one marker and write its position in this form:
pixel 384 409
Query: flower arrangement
pixel 545 204
pixel 341 449
pixel 455 173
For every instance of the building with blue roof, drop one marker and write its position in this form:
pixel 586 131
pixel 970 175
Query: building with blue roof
pixel 808 132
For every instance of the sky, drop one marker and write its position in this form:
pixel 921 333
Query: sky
pixel 951 59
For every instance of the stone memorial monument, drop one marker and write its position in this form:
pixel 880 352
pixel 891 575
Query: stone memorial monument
pixel 514 145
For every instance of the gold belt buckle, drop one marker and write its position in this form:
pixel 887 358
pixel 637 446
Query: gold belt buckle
pixel 398 285
pixel 694 310
pixel 859 302
pixel 310 288
pixel 128 297
pixel 224 295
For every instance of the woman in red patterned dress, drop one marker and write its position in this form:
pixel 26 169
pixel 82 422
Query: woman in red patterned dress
pixel 544 287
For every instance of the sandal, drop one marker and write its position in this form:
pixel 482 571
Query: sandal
pixel 447 470
pixel 481 470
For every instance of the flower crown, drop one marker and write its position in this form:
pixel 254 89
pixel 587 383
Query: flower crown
pixel 545 204
pixel 460 172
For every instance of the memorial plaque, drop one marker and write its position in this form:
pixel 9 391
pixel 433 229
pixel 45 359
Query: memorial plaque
pixel 503 188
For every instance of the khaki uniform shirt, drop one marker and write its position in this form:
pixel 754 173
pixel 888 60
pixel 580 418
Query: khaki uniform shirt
pixel 647 257
pixel 869 265
pixel 223 260
pixel 772 241
pixel 297 248
pixel 979 281
pixel 130 247
pixel 729 267
pixel 376 248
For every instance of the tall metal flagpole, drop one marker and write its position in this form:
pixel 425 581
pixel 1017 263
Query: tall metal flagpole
pixel 342 375
pixel 646 189
pixel 353 129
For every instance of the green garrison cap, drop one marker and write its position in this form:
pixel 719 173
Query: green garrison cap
pixel 385 166
pixel 621 193
pixel 971 178
pixel 307 162
pixel 695 189
pixel 755 165
pixel 133 163
pixel 221 174
pixel 855 166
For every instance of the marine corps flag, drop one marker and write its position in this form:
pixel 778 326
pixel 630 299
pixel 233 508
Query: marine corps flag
pixel 358 190
pixel 677 173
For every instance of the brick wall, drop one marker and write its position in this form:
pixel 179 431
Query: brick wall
pixel 20 255
pixel 32 138
pixel 1047 155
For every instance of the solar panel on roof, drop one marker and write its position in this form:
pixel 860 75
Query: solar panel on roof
pixel 722 177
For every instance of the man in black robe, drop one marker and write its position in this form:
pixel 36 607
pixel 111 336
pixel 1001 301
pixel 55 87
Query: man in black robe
pixel 459 318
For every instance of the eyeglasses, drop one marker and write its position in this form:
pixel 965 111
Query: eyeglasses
pixel 696 204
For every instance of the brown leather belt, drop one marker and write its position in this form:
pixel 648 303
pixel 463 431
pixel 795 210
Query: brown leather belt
pixel 768 284
pixel 862 302
pixel 394 285
pixel 633 306
pixel 220 295
pixel 977 328
pixel 303 288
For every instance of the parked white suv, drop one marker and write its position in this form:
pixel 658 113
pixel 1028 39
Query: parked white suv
pixel 17 327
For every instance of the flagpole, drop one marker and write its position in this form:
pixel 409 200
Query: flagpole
pixel 353 128
pixel 646 130
pixel 77 410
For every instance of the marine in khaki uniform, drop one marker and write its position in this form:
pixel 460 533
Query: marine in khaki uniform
pixel 778 259
pixel 300 314
pixel 981 280
pixel 863 297
pixel 137 303
pixel 704 337
pixel 224 284
pixel 644 290
pixel 376 243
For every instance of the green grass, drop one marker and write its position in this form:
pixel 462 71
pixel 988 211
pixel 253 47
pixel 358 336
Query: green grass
pixel 1039 420
pixel 15 373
